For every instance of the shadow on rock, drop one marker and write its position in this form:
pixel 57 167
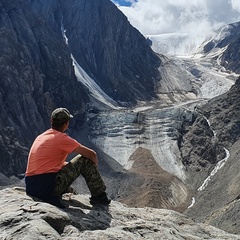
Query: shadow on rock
pixel 85 217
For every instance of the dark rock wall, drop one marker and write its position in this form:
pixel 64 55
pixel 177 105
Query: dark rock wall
pixel 110 50
pixel 36 75
pixel 223 113
pixel 202 146
pixel 231 57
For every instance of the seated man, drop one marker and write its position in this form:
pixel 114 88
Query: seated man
pixel 48 175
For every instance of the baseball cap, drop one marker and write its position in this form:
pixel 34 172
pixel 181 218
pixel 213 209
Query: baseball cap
pixel 61 115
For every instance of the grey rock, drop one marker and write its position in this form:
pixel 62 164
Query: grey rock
pixel 36 77
pixel 218 203
pixel 23 218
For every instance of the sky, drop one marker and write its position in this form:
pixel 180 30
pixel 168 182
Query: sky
pixel 195 17
pixel 165 16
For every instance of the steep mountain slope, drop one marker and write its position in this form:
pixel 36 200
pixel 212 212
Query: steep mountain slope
pixel 228 39
pixel 211 145
pixel 218 203
pixel 110 50
pixel 36 75
pixel 106 46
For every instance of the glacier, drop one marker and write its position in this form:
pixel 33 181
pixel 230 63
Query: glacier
pixel 187 81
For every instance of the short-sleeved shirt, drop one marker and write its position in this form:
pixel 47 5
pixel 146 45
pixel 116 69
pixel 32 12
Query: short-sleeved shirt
pixel 49 152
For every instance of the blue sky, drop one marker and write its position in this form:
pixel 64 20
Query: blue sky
pixel 122 2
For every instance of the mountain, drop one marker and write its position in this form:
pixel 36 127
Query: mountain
pixel 110 50
pixel 36 76
pixel 165 128
pixel 227 39
pixel 211 144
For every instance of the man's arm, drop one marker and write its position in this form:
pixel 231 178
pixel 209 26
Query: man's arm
pixel 88 153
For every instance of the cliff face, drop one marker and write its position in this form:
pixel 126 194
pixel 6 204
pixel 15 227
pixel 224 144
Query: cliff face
pixel 36 76
pixel 37 73
pixel 216 127
pixel 110 50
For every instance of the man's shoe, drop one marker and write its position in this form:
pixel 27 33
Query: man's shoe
pixel 57 201
pixel 100 199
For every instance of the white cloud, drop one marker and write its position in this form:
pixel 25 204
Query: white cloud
pixel 236 5
pixel 194 17
pixel 164 16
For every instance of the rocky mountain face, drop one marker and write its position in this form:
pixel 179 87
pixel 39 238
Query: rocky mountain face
pixel 37 73
pixel 210 148
pixel 219 203
pixel 228 39
pixel 110 50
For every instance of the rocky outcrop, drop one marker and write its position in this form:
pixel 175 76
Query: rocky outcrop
pixel 216 126
pixel 230 57
pixel 23 218
pixel 223 114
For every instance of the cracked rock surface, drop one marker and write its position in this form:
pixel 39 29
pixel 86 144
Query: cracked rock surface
pixel 23 218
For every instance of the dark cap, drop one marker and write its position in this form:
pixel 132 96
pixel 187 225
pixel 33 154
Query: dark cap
pixel 61 115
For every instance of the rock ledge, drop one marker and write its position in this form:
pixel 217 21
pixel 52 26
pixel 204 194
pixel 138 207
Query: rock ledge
pixel 23 218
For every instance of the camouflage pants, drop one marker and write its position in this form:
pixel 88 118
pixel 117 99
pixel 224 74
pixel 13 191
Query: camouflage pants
pixel 79 165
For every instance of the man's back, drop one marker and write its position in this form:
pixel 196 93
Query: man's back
pixel 49 152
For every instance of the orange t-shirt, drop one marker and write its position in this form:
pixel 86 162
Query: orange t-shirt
pixel 49 152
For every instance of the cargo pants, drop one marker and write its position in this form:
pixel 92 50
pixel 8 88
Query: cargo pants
pixel 70 172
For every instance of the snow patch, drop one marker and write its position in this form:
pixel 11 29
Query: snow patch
pixel 83 77
pixel 94 89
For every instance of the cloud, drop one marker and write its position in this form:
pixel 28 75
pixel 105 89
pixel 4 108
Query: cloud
pixel 236 5
pixel 166 16
pixel 184 24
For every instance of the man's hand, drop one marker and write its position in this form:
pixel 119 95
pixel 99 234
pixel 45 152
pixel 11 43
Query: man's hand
pixel 88 153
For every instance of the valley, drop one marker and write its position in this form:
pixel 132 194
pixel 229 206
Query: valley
pixel 145 140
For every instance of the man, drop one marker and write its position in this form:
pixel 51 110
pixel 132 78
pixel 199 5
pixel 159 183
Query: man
pixel 48 175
